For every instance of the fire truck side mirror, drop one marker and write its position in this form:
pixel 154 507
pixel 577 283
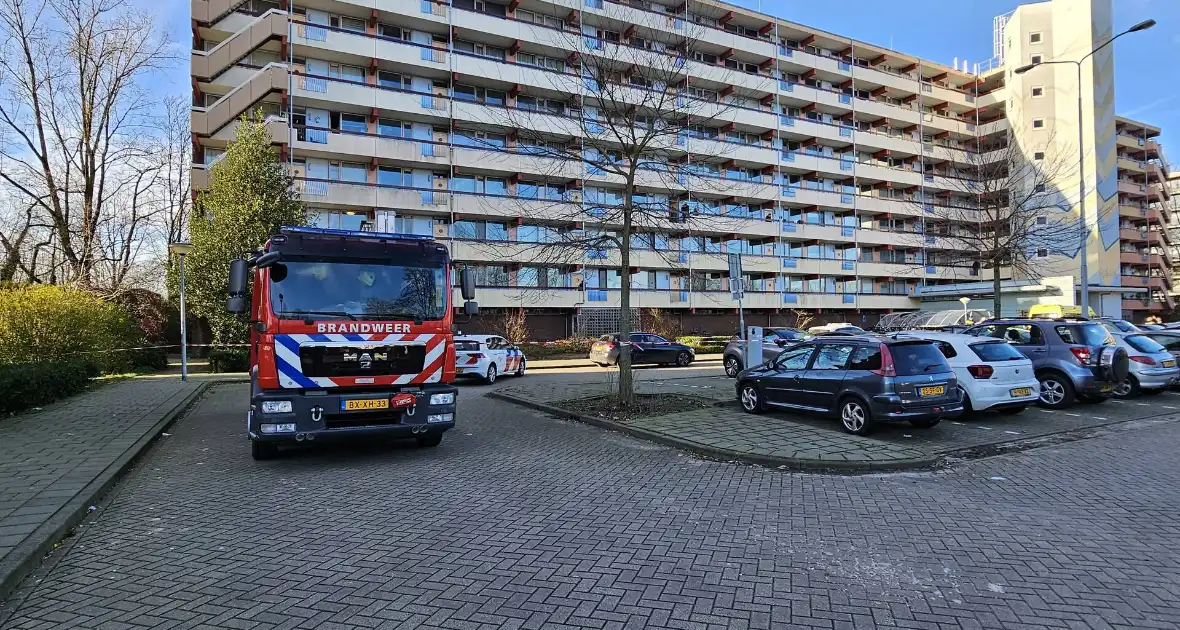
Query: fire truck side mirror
pixel 470 308
pixel 238 273
pixel 467 284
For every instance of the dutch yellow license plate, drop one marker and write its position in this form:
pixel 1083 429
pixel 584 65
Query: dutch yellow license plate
pixel 1106 388
pixel 1021 391
pixel 365 404
pixel 1169 364
pixel 933 390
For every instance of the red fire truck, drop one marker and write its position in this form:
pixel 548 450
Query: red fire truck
pixel 350 336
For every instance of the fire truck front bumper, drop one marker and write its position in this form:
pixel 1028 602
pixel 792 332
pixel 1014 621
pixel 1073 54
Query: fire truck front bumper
pixel 295 416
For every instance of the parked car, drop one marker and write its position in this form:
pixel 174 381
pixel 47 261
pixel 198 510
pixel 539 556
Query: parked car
pixel 487 356
pixel 1169 339
pixel 645 348
pixel 836 327
pixel 992 373
pixel 865 380
pixel 1074 359
pixel 1117 326
pixel 1152 368
pixel 733 358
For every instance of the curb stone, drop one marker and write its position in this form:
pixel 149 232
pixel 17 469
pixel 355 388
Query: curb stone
pixel 25 557
pixel 787 463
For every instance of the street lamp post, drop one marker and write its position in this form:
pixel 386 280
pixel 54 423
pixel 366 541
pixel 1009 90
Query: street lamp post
pixel 964 300
pixel 180 249
pixel 1085 288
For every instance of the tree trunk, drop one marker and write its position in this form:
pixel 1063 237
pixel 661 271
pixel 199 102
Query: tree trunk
pixel 626 383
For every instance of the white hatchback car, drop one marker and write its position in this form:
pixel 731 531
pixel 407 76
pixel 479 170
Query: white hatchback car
pixel 992 374
pixel 487 357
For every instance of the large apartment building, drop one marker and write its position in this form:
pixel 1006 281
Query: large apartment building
pixel 827 160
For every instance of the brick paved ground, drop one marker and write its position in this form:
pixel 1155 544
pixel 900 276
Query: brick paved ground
pixel 811 438
pixel 523 521
pixel 48 457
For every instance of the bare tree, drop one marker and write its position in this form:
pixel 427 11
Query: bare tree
pixel 654 142
pixel 175 153
pixel 74 109
pixel 1003 212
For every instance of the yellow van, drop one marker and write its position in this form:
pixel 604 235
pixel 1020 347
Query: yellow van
pixel 1052 311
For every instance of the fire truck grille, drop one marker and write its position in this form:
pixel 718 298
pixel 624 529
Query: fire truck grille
pixel 332 361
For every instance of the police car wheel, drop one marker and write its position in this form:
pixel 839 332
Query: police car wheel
pixel 490 377
pixel 520 370
pixel 263 450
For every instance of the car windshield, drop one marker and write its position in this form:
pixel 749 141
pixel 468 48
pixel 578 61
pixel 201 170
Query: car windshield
pixel 996 351
pixel 358 290
pixel 917 358
pixel 1143 344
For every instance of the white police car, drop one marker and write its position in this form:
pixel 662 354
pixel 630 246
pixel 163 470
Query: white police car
pixel 487 357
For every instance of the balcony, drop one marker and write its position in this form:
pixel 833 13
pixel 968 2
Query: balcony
pixel 1132 258
pixel 204 65
pixel 1131 165
pixel 1133 235
pixel 1132 211
pixel 1135 305
pixel 208 120
pixel 1132 188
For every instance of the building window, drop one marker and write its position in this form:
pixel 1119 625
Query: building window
pixel 1038 123
pixel 1039 188
pixel 1036 59
pixel 1038 91
pixel 1034 38
pixel 1042 253
pixel 1039 155
pixel 1042 220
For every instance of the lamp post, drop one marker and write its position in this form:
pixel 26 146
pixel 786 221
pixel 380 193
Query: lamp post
pixel 1085 288
pixel 964 300
pixel 180 249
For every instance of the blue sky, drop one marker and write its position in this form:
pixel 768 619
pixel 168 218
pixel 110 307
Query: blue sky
pixel 1147 74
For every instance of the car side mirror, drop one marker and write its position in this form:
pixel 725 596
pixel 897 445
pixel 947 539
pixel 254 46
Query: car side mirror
pixel 780 342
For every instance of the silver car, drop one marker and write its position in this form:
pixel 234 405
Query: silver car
pixel 773 342
pixel 1152 368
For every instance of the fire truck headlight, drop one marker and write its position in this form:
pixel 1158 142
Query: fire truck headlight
pixel 276 406
pixel 442 399
pixel 440 417
pixel 277 428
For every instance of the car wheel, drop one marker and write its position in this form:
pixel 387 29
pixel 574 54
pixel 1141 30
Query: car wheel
pixel 1056 391
pixel 1011 411
pixel 967 408
pixel 490 376
pixel 1128 388
pixel 683 359
pixel 732 366
pixel 263 450
pixel 751 399
pixel 855 416
pixel 925 424
pixel 520 370
pixel 430 439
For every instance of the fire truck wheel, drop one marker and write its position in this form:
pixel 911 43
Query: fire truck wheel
pixel 263 450
pixel 490 377
pixel 430 439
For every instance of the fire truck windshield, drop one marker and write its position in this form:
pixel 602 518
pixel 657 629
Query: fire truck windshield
pixel 358 290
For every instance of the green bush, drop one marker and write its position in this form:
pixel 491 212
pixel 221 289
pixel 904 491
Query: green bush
pixel 229 360
pixel 575 347
pixel 705 345
pixel 52 324
pixel 30 385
